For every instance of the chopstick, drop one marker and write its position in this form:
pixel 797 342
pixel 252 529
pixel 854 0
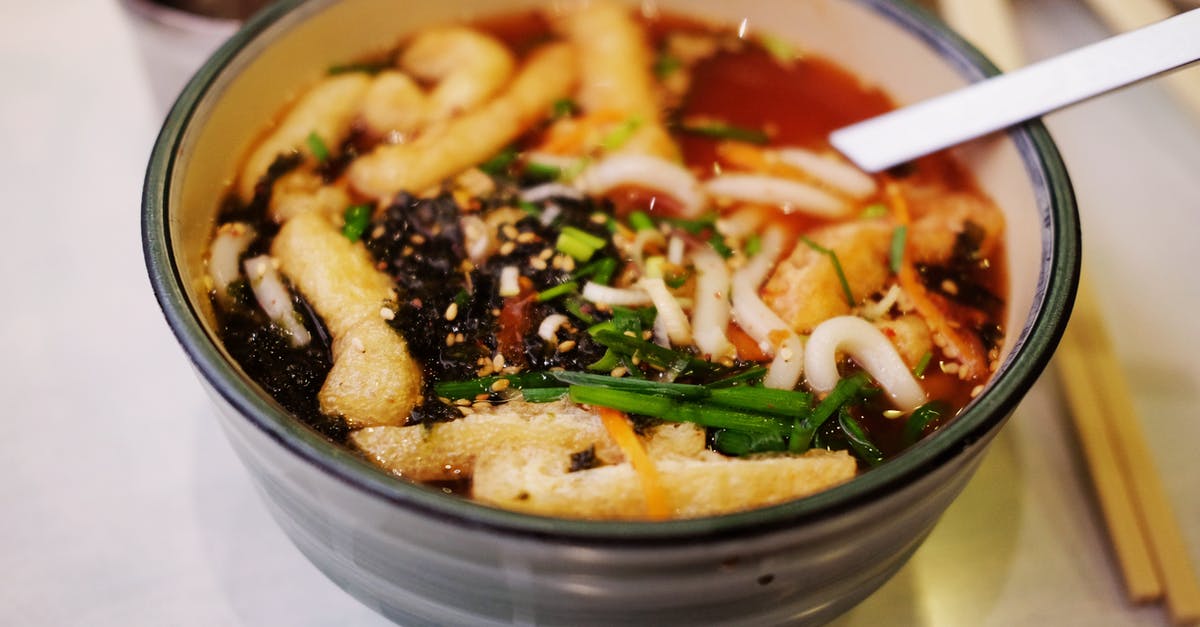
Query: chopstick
pixel 1146 539
pixel 1125 15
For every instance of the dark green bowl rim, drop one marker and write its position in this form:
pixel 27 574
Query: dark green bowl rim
pixel 1052 303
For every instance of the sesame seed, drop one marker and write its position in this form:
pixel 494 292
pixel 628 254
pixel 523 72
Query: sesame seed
pixel 507 248
pixel 482 396
pixel 462 402
pixel 407 251
pixel 387 314
pixel 527 237
pixel 948 367
pixel 500 384
pixel 599 218
pixel 466 411
pixel 619 371
pixel 566 346
pixel 537 263
pixel 449 339
pixel 459 337
pixel 498 361
pixel 949 287
pixel 546 254
pixel 976 391
pixel 892 413
pixel 417 238
pixel 509 231
pixel 452 311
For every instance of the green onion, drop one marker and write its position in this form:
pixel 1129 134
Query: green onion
pixel 543 395
pixel 741 443
pixel 562 289
pixel 858 438
pixel 837 267
pixel 580 245
pixel 679 391
pixel 357 218
pixel 317 147
pixel 747 376
pixel 670 360
pixel 786 403
pixel 369 67
pixel 678 279
pixel 718 130
pixel 665 65
pixel 470 389
pixel 528 207
pixel 844 392
pixel 563 107
pixel 719 245
pixel 896 255
pixel 782 50
pixel 617 137
pixel 753 245
pixel 675 411
pixel 877 210
pixel 695 226
pixel 922 364
pixel 543 171
pixel 920 420
pixel 601 271
pixel 574 306
pixel 640 221
pixel 498 164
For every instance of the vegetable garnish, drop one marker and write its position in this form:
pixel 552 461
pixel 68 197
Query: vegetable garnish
pixel 753 245
pixel 642 386
pixel 676 411
pixel 858 439
pixel 896 252
pixel 719 245
pixel 837 268
pixel 719 130
pixel 577 243
pixel 563 107
pixel 674 362
pixel 784 403
pixel 922 364
pixel 920 420
pixel 498 164
pixel 357 218
pixel 844 392
pixel 543 171
pixel 562 289
pixel 877 210
pixel 781 49
pixel 617 137
pixel 742 443
pixel 455 390
pixel 599 271
pixel 317 147
pixel 618 426
pixel 640 221
pixel 665 65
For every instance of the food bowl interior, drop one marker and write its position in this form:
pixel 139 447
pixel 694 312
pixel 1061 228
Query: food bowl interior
pixel 291 44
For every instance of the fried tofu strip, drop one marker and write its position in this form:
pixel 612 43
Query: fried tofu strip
pixel 804 289
pixel 301 191
pixel 616 74
pixel 374 379
pixel 448 450
pixel 472 137
pixel 536 483
pixel 327 110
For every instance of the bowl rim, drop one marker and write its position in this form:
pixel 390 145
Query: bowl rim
pixel 1057 282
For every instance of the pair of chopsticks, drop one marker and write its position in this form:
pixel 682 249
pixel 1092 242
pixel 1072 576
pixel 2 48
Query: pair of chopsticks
pixel 1142 528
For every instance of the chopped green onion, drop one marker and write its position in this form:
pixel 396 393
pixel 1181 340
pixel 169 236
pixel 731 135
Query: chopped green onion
pixel 837 267
pixel 670 360
pixel 718 130
pixel 357 218
pixel 920 420
pixel 675 411
pixel 753 245
pixel 844 392
pixel 877 210
pixel 781 49
pixel 528 207
pixel 574 306
pixel 858 438
pixel 317 147
pixel 694 226
pixel 543 171
pixel 563 107
pixel 666 65
pixel 678 279
pixel 679 391
pixel 640 221
pixel 601 271
pixel 577 243
pixel 617 137
pixel 719 245
pixel 786 403
pixel 896 256
pixel 562 289
pixel 923 364
pixel 498 164
pixel 470 389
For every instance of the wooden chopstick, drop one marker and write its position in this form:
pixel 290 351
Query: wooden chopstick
pixel 1145 536
pixel 1125 15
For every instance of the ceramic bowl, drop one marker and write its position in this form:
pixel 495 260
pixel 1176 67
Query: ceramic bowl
pixel 421 557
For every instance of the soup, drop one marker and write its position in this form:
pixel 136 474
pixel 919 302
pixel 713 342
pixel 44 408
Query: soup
pixel 601 264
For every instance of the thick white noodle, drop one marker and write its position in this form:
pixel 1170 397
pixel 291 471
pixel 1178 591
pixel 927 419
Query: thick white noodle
pixel 274 298
pixel 477 238
pixel 710 313
pixel 615 296
pixel 761 322
pixel 670 313
pixel 829 170
pixel 546 191
pixel 870 349
pixel 742 223
pixel 792 196
pixel 645 171
pixel 510 284
pixel 231 241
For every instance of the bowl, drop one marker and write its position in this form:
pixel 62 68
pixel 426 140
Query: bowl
pixel 421 557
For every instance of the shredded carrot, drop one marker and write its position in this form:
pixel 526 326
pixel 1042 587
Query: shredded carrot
pixel 747 348
pixel 968 351
pixel 575 136
pixel 618 426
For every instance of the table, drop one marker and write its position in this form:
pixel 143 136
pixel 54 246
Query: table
pixel 123 504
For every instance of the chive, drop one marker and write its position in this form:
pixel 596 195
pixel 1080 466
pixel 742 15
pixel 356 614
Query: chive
pixel 922 364
pixel 575 247
pixel 747 376
pixel 617 137
pixel 896 256
pixel 666 65
pixel 753 245
pixel 601 270
pixel 357 218
pixel 474 387
pixel 665 358
pixel 574 306
pixel 498 164
pixel 718 244
pixel 317 147
pixel 678 279
pixel 694 226
pixel 844 392
pixel 587 238
pixel 858 438
pixel 781 49
pixel 786 403
pixel 562 289
pixel 679 391
pixel 528 207
pixel 562 108
pixel 877 210
pixel 640 221
pixel 741 443
pixel 543 171
pixel 920 420
pixel 543 395
pixel 675 411
pixel 837 267
pixel 718 130
pixel 641 404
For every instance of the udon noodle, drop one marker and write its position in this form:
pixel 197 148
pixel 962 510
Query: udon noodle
pixel 591 263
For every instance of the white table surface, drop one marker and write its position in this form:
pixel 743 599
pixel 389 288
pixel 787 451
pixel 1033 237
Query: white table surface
pixel 122 504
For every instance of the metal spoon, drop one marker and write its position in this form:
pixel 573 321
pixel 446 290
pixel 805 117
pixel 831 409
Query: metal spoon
pixel 1002 101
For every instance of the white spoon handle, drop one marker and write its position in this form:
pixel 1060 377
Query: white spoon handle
pixel 1002 101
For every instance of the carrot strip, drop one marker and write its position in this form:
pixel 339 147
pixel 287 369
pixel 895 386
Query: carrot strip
pixel 618 426
pixel 967 350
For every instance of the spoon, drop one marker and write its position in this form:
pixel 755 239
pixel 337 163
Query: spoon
pixel 1002 101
